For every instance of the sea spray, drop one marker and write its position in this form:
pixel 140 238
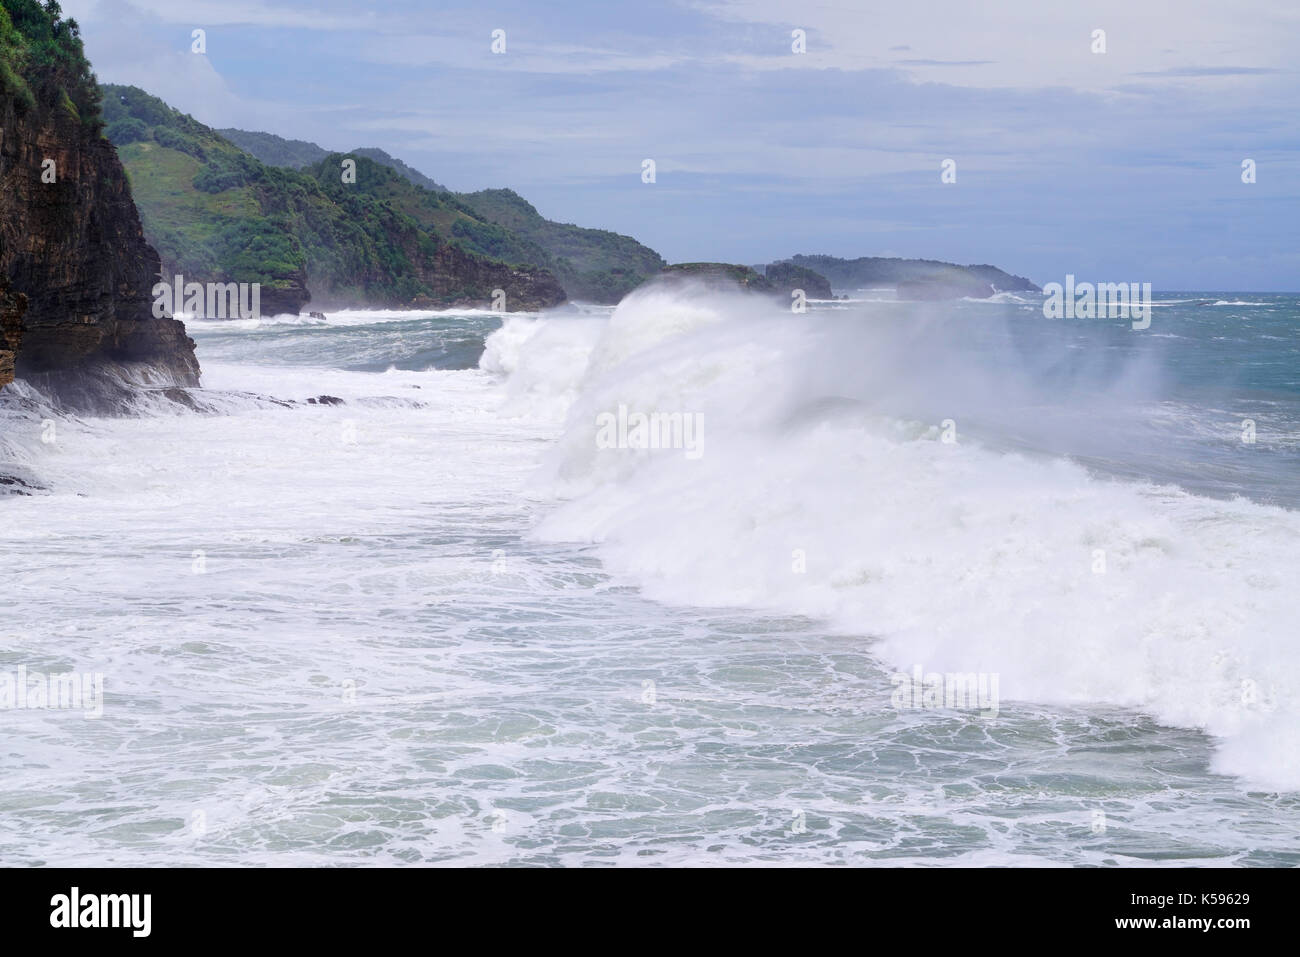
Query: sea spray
pixel 971 559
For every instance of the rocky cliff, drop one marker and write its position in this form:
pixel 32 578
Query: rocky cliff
pixel 70 238
pixel 456 278
pixel 12 308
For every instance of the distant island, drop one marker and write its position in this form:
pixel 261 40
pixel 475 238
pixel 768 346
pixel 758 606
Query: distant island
pixel 819 276
pixel 778 279
pixel 915 278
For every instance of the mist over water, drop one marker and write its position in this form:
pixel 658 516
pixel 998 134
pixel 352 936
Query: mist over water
pixel 438 624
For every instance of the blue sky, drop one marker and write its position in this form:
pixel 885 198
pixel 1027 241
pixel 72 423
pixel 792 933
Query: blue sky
pixel 1115 166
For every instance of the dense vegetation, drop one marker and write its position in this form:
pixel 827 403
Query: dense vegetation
pixel 591 264
pixel 42 61
pixel 788 277
pixel 408 173
pixel 297 154
pixel 720 274
pixel 276 150
pixel 216 213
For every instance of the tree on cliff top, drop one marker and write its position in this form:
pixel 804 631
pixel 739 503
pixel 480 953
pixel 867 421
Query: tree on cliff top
pixel 42 60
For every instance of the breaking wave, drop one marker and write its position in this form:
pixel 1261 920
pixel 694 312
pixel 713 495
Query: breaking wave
pixel 966 507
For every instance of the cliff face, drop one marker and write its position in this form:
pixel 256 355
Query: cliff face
pixel 465 280
pixel 70 238
pixel 75 248
pixel 11 328
pixel 290 296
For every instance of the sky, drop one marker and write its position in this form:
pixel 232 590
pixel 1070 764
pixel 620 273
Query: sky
pixel 1122 165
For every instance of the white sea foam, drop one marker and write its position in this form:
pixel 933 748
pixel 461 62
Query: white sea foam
pixel 236 574
pixel 339 317
pixel 954 555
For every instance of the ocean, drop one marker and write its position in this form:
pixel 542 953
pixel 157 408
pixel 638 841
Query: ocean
pixel 440 622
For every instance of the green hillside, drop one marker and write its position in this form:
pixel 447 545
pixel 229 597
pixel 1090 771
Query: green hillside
pixel 276 150
pixel 295 154
pixel 393 163
pixel 591 264
pixel 42 60
pixel 216 213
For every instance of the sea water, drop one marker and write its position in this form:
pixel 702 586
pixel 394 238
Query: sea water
pixel 440 623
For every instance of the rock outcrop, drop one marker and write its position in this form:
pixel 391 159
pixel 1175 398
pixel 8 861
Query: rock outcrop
pixel 287 297
pixel 71 242
pixel 717 275
pixel 787 277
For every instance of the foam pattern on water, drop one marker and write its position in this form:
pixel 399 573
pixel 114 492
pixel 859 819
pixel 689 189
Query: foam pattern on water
pixel 383 661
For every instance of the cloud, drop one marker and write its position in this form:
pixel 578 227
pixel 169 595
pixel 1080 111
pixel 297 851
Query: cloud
pixel 943 62
pixel 1063 156
pixel 1031 44
pixel 1211 71
pixel 210 13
